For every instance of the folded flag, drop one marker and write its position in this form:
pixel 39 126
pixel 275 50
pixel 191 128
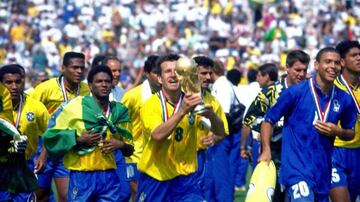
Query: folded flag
pixel 80 115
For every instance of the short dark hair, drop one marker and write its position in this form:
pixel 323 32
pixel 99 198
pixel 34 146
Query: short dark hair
pixel 325 50
pixel 344 47
pixel 70 55
pixel 150 63
pixel 234 76
pixel 165 58
pixel 12 69
pixel 251 75
pixel 204 61
pixel 96 69
pixel 271 69
pixel 110 57
pixel 98 60
pixel 297 55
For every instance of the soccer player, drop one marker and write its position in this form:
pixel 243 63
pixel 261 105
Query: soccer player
pixel 345 182
pixel 116 95
pixel 169 158
pixel 52 94
pixel 297 62
pixel 87 130
pixel 30 118
pixel 311 111
pixel 205 137
pixel 133 100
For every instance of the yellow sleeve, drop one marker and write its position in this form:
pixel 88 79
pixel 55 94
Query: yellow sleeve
pixel 43 118
pixel 150 118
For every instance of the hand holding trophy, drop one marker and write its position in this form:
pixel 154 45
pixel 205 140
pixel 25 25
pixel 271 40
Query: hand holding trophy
pixel 186 72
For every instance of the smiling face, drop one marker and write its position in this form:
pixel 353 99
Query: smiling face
pixel 168 78
pixel 328 67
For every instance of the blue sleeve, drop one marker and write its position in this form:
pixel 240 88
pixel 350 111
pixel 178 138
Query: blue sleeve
pixel 349 116
pixel 283 107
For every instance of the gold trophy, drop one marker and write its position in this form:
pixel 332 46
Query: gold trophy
pixel 186 72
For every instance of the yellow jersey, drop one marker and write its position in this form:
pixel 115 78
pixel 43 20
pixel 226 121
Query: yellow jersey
pixel 93 161
pixel 133 100
pixel 33 122
pixel 174 156
pixel 354 143
pixel 202 131
pixel 6 105
pixel 51 95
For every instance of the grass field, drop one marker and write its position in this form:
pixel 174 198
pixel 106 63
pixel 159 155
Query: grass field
pixel 240 195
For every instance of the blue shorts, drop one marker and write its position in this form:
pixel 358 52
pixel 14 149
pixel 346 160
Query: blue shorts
pixel 301 192
pixel 19 197
pixel 93 186
pixel 200 172
pixel 132 173
pixel 346 170
pixel 125 192
pixel 16 197
pixel 182 188
pixel 53 169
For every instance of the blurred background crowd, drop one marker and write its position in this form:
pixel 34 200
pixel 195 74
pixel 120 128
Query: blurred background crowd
pixel 241 33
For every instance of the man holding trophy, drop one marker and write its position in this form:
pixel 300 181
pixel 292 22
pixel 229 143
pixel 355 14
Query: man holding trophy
pixel 169 159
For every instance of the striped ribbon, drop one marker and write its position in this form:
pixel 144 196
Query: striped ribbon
pixel 19 112
pixel 346 84
pixel 63 89
pixel 165 113
pixel 322 114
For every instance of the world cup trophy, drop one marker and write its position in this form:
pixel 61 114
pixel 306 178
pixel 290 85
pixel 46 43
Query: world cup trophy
pixel 186 72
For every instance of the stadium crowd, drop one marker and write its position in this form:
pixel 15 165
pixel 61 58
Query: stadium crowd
pixel 258 55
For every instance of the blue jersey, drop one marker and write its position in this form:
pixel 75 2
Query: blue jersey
pixel 306 154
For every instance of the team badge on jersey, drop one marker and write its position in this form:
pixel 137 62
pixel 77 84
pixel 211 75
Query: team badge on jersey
pixel 30 116
pixel 179 134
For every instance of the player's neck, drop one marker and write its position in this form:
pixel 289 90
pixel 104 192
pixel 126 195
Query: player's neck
pixel 16 103
pixel 172 96
pixel 69 85
pixel 289 82
pixel 154 88
pixel 103 102
pixel 324 85
pixel 351 77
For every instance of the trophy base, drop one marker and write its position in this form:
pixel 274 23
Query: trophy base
pixel 200 108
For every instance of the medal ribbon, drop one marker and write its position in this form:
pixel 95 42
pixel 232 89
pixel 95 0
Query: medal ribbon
pixel 19 112
pixel 346 84
pixel 165 113
pixel 323 115
pixel 63 90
